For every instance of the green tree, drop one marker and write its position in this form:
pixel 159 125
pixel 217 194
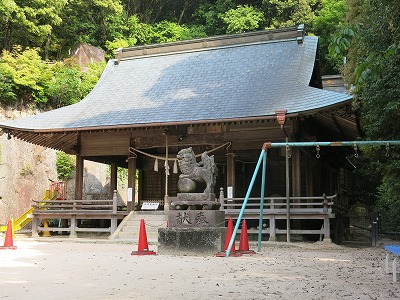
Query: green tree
pixel 374 61
pixel 243 18
pixel 29 23
pixel 65 166
pixel 28 72
pixel 210 15
pixel 155 11
pixel 89 21
pixel 329 19
pixel 166 31
pixel 285 13
pixel 70 84
pixel 7 86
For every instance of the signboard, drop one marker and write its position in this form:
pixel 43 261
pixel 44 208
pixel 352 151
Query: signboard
pixel 130 190
pixel 229 192
pixel 150 205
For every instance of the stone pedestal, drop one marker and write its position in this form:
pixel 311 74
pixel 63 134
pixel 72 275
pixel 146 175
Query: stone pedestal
pixel 193 232
pixel 195 201
pixel 196 218
pixel 191 241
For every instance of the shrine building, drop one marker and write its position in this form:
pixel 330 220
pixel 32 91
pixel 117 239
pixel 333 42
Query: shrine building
pixel 226 95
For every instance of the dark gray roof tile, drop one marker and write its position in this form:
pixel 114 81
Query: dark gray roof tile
pixel 246 80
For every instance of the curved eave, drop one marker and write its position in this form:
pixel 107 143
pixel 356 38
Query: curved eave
pixel 66 139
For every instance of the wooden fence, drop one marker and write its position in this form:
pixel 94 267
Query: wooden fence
pixel 275 208
pixel 75 211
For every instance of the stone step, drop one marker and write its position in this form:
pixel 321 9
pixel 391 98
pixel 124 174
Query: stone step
pixel 135 235
pixel 148 222
pixel 129 228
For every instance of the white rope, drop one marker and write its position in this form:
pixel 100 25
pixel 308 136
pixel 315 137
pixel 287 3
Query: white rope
pixel 133 150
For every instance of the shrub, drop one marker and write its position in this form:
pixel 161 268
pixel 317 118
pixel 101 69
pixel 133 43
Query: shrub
pixel 65 166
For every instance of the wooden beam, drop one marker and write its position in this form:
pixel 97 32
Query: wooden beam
pixel 112 143
pixel 230 176
pixel 113 179
pixel 179 140
pixel 79 177
pixel 131 182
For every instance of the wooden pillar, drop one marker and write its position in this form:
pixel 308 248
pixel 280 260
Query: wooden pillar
pixel 79 177
pixel 72 233
pixel 114 219
pixel 131 183
pixel 34 227
pixel 113 180
pixel 230 172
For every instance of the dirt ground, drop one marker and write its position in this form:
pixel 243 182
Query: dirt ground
pixel 49 268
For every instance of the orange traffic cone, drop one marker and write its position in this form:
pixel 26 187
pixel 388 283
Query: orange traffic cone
pixel 143 246
pixel 244 240
pixel 229 232
pixel 8 242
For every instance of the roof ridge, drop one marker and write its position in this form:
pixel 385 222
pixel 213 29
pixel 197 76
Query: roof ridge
pixel 288 33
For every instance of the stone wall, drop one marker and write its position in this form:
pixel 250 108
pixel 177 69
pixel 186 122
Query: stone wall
pixel 25 170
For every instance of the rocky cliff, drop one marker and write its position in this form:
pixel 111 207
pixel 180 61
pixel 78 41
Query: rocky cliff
pixel 26 171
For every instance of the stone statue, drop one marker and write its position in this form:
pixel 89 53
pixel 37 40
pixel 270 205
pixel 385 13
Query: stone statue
pixel 192 172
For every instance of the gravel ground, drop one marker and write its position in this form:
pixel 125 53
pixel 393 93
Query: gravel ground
pixel 51 268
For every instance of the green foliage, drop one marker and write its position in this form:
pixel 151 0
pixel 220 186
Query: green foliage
pixel 7 86
pixel 378 89
pixel 69 84
pixel 122 176
pixel 89 78
pixel 374 68
pixel 210 16
pixel 166 31
pixel 27 72
pixel 327 23
pixel 389 204
pixel 116 44
pixel 65 166
pixel 62 87
pixel 26 170
pixel 26 76
pixel 285 13
pixel 242 19
pixel 29 23
pixel 339 46
pixel 90 21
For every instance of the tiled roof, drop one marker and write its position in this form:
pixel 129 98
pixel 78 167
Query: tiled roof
pixel 224 82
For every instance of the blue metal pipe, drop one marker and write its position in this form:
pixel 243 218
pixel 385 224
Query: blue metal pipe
pixel 260 223
pixel 246 199
pixel 289 144
pixel 334 144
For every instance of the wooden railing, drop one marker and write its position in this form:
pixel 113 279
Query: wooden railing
pixel 300 208
pixel 75 210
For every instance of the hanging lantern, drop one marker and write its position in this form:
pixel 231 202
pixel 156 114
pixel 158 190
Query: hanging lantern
pixel 175 169
pixel 156 165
